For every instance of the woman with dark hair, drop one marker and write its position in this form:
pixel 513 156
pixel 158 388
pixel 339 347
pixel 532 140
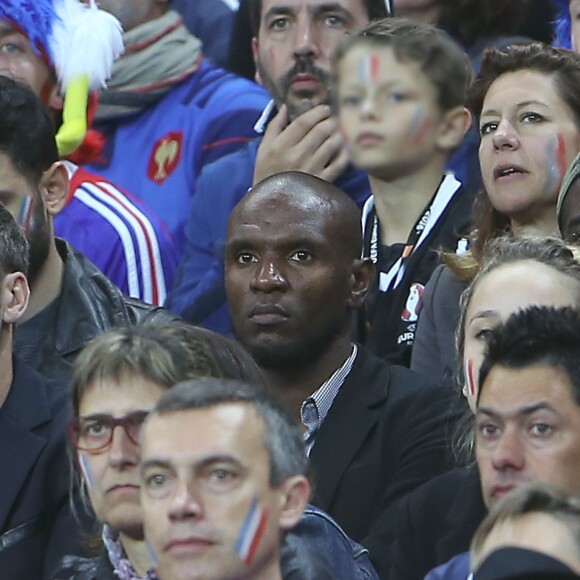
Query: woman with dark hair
pixel 527 104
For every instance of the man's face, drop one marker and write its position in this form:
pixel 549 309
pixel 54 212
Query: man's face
pixel 295 44
pixel 208 506
pixel 287 278
pixel 19 62
pixel 527 429
pixel 132 13
pixel 26 205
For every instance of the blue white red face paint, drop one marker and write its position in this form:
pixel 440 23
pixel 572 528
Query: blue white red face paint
pixel 556 162
pixel 25 212
pixel 469 378
pixel 86 470
pixel 419 127
pixel 368 69
pixel 251 532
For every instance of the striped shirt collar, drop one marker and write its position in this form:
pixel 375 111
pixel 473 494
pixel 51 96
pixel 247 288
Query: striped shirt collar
pixel 324 396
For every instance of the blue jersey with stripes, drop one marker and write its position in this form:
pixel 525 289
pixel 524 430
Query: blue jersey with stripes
pixel 119 234
pixel 158 153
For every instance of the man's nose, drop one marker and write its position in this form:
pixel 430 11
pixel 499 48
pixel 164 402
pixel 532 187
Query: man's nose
pixel 509 452
pixel 269 277
pixel 123 451
pixel 185 503
pixel 306 42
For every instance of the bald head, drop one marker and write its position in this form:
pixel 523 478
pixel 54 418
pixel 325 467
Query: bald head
pixel 315 198
pixel 293 270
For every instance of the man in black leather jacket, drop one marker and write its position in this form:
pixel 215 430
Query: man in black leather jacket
pixel 71 300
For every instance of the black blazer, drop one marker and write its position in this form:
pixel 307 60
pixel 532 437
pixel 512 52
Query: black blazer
pixel 435 523
pixel 385 434
pixel 36 526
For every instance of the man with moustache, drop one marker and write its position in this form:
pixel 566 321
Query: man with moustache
pixel 292 48
pixel 294 275
pixel 71 301
pixel 36 525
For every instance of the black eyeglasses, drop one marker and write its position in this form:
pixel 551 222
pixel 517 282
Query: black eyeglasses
pixel 95 432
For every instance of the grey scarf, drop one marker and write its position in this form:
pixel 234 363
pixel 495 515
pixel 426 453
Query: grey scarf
pixel 158 55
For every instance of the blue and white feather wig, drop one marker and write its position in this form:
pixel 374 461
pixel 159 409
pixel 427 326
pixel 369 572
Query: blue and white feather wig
pixel 562 24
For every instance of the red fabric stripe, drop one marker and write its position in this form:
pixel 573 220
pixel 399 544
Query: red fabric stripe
pixel 83 176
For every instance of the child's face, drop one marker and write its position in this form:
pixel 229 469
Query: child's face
pixel 387 111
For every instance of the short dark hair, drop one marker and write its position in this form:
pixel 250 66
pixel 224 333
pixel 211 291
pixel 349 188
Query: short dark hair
pixel 442 60
pixel 530 498
pixel 27 134
pixel 376 9
pixel 283 438
pixel 13 243
pixel 534 336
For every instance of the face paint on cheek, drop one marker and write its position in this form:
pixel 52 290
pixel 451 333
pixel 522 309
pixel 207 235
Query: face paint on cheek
pixel 561 155
pixel 251 532
pixel 25 212
pixel 419 127
pixel 471 386
pixel 86 470
pixel 152 554
pixel 556 163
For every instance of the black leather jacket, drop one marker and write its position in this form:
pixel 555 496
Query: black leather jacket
pixel 88 304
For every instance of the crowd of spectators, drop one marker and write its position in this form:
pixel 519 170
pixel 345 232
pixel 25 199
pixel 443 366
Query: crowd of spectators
pixel 289 289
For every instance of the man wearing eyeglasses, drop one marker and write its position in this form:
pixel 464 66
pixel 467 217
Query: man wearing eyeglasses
pixel 36 526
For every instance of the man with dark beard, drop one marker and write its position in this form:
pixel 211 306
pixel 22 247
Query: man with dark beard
pixel 71 301
pixel 293 44
pixel 293 277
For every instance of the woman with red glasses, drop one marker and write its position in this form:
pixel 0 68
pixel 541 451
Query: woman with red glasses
pixel 116 381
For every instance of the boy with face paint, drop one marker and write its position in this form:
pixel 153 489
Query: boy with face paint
pixel 399 93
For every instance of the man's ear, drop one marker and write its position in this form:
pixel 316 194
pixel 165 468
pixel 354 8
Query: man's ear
pixel 257 76
pixel 54 100
pixel 16 294
pixel 54 187
pixel 453 127
pixel 295 496
pixel 363 272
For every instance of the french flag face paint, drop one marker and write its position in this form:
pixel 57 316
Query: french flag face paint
pixel 419 127
pixel 25 213
pixel 561 155
pixel 556 157
pixel 86 470
pixel 368 69
pixel 471 386
pixel 251 532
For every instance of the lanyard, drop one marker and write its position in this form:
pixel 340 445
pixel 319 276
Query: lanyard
pixel 419 233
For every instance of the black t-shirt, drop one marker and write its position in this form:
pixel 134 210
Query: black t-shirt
pixel 36 335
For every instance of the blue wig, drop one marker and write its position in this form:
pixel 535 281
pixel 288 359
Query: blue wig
pixel 562 25
pixel 35 18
